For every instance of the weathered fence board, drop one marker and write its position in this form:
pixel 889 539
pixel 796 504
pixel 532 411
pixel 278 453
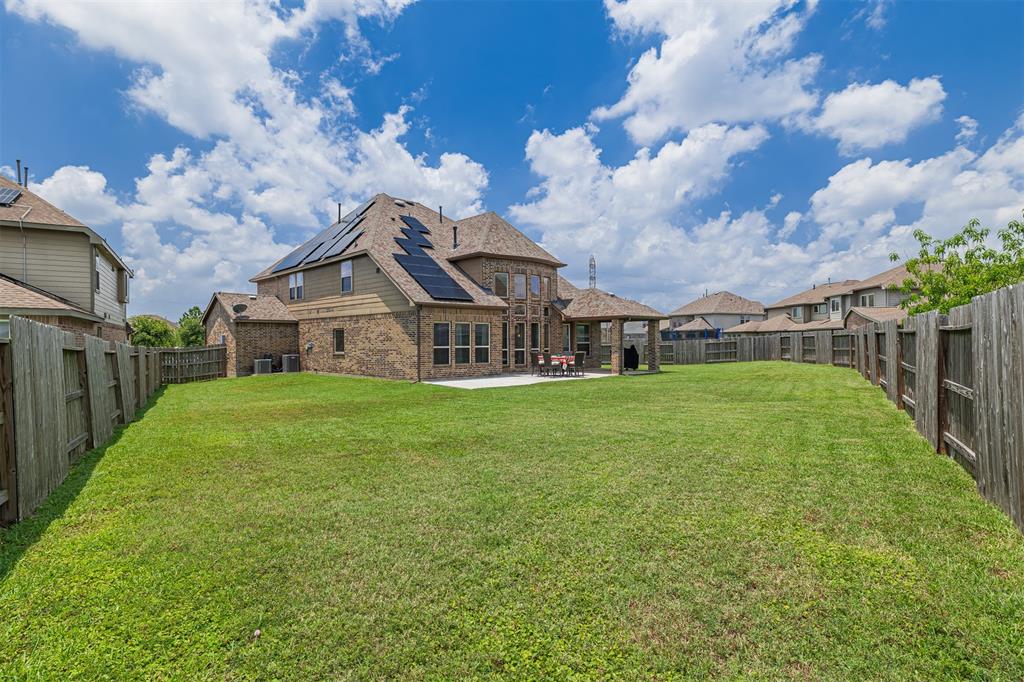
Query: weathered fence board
pixel 926 412
pixel 126 382
pixel 183 365
pixel 101 398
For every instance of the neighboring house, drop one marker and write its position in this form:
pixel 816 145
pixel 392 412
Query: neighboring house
pixel 772 325
pixel 813 304
pixel 44 252
pixel 250 326
pixel 697 328
pixel 394 289
pixel 721 310
pixel 858 316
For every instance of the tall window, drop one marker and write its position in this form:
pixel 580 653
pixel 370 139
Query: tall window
pixel 123 281
pixel 547 289
pixel 504 343
pixel 501 284
pixel 867 300
pixel 534 337
pixel 482 343
pixel 442 343
pixel 535 286
pixel 295 286
pixel 798 313
pixel 820 309
pixel 583 338
pixel 547 337
pixel 519 283
pixel 520 341
pixel 462 343
pixel 339 340
pixel 96 267
pixel 835 305
pixel 346 276
pixel 566 339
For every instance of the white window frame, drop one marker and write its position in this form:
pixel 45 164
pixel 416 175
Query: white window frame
pixel 867 300
pixel 535 291
pixel 517 279
pixel 820 309
pixel 504 343
pixel 295 288
pixel 468 347
pixel 567 338
pixel 334 340
pixel 546 337
pixel 350 276
pixel 583 346
pixel 96 266
pixel 435 347
pixel 546 288
pixel 485 346
pixel 836 304
pixel 516 349
pixel 798 312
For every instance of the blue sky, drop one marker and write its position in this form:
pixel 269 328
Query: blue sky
pixel 756 147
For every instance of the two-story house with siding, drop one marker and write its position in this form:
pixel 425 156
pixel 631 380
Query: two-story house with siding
pixel 811 305
pixel 709 315
pixel 56 270
pixel 395 289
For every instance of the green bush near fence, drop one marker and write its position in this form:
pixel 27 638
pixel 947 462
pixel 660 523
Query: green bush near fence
pixel 766 520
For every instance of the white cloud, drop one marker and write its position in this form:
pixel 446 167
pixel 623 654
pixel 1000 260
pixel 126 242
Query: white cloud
pixel 790 224
pixel 873 14
pixel 865 116
pixel 278 162
pixel 968 129
pixel 717 62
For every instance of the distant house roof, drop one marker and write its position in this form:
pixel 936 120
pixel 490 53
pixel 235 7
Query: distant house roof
pixel 816 294
pixel 818 325
pixel 43 214
pixel 698 324
pixel 891 278
pixel 721 302
pixel 19 298
pixel 566 289
pixel 488 234
pixel 880 314
pixel 594 304
pixel 379 227
pixel 250 307
pixel 779 323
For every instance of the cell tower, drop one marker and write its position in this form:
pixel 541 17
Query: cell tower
pixel 593 272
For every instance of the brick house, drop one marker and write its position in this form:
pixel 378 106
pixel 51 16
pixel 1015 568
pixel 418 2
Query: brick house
pixel 395 289
pixel 250 326
pixel 57 270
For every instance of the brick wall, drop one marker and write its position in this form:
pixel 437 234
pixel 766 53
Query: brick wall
pixel 430 315
pixel 218 323
pixel 375 345
pixel 115 332
pixel 278 286
pixel 255 339
pixel 75 325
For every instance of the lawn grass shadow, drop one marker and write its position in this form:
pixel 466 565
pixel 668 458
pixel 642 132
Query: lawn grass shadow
pixel 16 539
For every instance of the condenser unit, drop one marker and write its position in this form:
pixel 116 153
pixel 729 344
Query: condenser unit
pixel 262 366
pixel 290 363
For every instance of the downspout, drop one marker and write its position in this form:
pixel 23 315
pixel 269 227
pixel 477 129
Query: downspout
pixel 419 344
pixel 24 245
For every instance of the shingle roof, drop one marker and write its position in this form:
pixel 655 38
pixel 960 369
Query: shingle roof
pixel 17 296
pixel 488 234
pixel 566 289
pixel 380 225
pixel 594 304
pixel 779 323
pixel 251 307
pixel 745 328
pixel 698 324
pixel 890 279
pixel 722 302
pixel 880 314
pixel 818 325
pixel 816 294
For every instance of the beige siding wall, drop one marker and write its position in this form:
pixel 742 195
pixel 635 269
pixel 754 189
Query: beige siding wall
pixel 372 292
pixel 107 305
pixel 59 262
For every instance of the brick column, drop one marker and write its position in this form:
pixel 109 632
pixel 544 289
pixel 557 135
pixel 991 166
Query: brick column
pixel 616 343
pixel 653 340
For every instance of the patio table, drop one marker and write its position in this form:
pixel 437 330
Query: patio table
pixel 561 362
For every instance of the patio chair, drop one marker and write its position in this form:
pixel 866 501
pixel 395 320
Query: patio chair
pixel 546 368
pixel 538 365
pixel 579 360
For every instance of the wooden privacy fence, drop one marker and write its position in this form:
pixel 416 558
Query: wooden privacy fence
pixel 182 365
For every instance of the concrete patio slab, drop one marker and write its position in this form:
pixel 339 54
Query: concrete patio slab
pixel 504 380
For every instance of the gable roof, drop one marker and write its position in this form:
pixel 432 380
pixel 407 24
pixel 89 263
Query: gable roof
pixel 43 214
pixel 566 289
pixel 488 234
pixel 722 302
pixel 380 226
pixel 816 294
pixel 257 307
pixel 594 304
pixel 880 314
pixel 818 325
pixel 17 297
pixel 698 324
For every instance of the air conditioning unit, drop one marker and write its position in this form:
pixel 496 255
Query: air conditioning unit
pixel 290 363
pixel 262 366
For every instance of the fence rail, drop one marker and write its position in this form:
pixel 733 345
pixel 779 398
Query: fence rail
pixel 61 397
pixel 183 365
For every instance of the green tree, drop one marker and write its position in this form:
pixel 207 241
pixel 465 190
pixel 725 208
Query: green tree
pixel 152 331
pixel 191 331
pixel 949 272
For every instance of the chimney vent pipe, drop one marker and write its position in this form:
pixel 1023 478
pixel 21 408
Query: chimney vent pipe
pixel 19 171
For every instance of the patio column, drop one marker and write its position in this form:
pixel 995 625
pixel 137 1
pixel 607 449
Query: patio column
pixel 616 342
pixel 653 346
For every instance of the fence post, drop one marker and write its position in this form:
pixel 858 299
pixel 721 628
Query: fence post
pixel 83 380
pixel 8 454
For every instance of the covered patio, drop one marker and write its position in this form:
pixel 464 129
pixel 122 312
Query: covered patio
pixel 594 307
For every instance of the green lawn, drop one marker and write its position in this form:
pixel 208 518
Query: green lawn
pixel 758 520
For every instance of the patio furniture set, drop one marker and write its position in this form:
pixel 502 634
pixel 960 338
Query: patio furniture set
pixel 547 364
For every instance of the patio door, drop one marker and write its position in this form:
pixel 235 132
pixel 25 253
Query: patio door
pixel 520 343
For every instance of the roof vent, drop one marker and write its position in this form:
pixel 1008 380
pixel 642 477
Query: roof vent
pixel 252 297
pixel 239 308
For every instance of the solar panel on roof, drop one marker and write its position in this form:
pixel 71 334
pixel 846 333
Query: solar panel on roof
pixel 343 243
pixel 325 244
pixel 415 224
pixel 9 195
pixel 424 269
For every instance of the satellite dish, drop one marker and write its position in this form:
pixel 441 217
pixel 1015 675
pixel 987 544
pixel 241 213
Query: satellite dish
pixel 239 307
